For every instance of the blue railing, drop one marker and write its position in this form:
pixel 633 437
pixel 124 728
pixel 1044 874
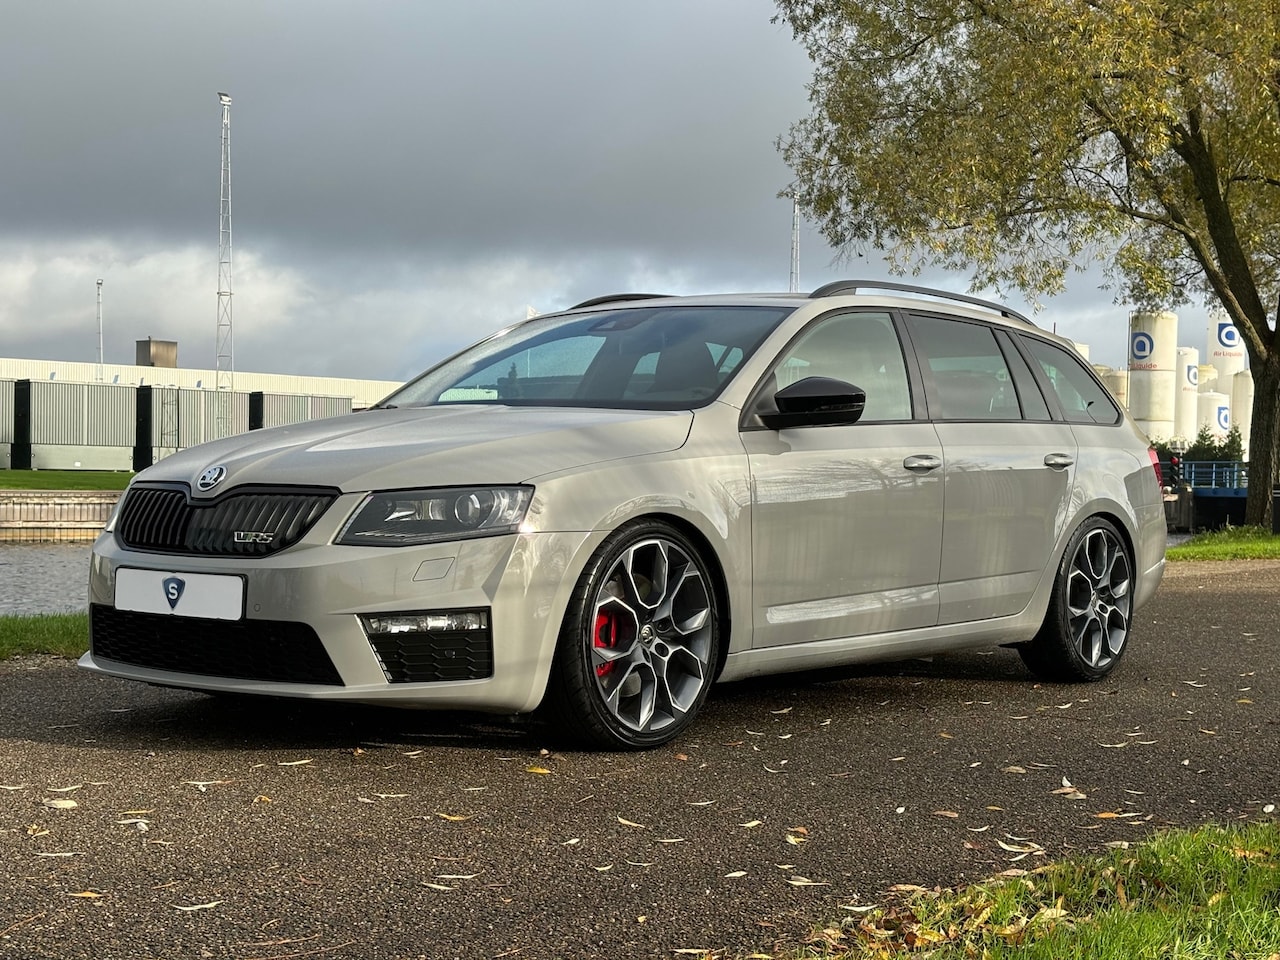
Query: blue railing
pixel 1214 473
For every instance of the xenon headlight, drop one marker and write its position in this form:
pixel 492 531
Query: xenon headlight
pixel 402 518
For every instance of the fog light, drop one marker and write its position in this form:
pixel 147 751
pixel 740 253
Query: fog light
pixel 441 621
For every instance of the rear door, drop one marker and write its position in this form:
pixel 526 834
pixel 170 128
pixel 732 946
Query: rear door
pixel 1009 467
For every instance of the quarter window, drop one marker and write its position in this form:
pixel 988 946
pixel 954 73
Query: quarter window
pixel 1083 399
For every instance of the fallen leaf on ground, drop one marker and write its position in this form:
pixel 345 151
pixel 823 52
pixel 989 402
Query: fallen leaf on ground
pixel 87 895
pixel 198 906
pixel 61 804
pixel 1013 770
pixel 946 813
pixel 290 763
pixel 536 769
pixel 735 874
pixel 631 823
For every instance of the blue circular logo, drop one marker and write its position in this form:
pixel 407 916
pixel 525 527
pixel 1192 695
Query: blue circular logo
pixel 1224 418
pixel 1193 374
pixel 1228 335
pixel 1142 345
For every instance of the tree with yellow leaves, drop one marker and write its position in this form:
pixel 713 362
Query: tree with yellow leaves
pixel 1021 139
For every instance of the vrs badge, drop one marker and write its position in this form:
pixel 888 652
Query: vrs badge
pixel 211 477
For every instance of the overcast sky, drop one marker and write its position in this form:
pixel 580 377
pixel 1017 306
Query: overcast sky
pixel 407 176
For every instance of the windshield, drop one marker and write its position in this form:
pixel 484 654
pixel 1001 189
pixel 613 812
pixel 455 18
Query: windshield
pixel 655 358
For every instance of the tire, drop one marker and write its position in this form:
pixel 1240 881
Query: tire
pixel 640 641
pixel 1086 628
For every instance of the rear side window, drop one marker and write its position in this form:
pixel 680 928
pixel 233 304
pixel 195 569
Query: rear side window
pixel 971 380
pixel 1083 399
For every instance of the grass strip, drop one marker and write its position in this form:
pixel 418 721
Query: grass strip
pixel 1191 895
pixel 1229 543
pixel 64 479
pixel 59 634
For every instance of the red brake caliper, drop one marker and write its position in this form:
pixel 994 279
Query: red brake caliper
pixel 605 635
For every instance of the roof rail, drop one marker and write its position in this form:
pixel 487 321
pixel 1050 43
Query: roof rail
pixel 837 287
pixel 617 298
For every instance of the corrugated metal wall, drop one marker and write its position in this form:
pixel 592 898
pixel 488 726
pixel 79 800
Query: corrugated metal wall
pixel 82 414
pixel 6 411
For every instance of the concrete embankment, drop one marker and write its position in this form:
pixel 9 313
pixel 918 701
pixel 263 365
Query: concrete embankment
pixel 50 516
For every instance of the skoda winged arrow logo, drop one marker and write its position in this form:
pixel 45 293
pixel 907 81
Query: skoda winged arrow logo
pixel 211 477
pixel 173 587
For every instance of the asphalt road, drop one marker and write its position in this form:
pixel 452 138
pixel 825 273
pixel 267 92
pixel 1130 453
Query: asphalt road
pixel 210 828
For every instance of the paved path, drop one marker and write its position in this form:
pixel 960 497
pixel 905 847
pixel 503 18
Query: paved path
pixel 208 828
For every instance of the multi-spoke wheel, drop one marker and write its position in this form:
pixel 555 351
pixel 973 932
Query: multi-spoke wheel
pixel 1086 627
pixel 640 640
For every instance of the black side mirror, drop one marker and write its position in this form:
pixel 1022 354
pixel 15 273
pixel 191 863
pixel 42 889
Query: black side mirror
pixel 816 401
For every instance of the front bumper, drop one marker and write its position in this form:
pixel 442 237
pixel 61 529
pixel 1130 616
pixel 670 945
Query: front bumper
pixel 523 581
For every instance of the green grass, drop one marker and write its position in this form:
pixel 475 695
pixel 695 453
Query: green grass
pixel 60 634
pixel 1185 895
pixel 64 479
pixel 1230 543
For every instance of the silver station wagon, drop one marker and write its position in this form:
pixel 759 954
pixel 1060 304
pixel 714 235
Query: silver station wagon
pixel 603 511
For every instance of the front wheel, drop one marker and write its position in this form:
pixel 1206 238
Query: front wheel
pixel 1086 628
pixel 640 641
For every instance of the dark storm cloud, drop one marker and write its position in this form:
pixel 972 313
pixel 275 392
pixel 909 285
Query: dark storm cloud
pixel 441 128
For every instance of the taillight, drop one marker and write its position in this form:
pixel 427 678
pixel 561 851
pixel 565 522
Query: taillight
pixel 1155 465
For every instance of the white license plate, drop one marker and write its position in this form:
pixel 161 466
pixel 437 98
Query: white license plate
pixel 207 595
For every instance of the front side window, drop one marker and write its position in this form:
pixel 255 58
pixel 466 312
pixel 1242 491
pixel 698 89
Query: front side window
pixel 861 349
pixel 651 358
pixel 970 378
pixel 1083 399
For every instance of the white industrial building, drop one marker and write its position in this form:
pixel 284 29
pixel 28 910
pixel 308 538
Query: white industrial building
pixel 363 393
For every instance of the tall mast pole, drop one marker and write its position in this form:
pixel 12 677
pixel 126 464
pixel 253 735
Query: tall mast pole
pixel 795 246
pixel 225 343
pixel 99 331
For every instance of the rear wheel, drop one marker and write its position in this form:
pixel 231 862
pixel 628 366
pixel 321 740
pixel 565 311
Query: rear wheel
pixel 1086 628
pixel 640 641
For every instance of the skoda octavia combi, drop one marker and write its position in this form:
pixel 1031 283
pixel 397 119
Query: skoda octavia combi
pixel 604 511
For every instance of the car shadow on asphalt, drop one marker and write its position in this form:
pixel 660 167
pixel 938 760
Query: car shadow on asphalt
pixel 126 715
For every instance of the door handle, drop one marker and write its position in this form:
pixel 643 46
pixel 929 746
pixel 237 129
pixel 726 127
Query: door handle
pixel 922 463
pixel 1058 461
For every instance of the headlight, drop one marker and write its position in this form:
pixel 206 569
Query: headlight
pixel 403 518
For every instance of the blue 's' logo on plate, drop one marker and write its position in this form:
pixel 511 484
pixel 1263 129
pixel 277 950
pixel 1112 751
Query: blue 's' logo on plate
pixel 173 587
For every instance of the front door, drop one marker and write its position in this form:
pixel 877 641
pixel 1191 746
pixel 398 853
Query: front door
pixel 846 520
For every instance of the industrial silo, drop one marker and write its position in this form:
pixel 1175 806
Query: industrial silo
pixel 1117 381
pixel 1242 405
pixel 1208 380
pixel 1153 357
pixel 1185 408
pixel 1225 350
pixel 1082 349
pixel 1214 413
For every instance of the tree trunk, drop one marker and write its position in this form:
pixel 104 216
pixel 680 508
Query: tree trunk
pixel 1264 435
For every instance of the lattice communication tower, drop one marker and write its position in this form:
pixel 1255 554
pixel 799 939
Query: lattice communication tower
pixel 225 342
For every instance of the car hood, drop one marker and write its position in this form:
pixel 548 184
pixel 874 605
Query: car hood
pixel 445 445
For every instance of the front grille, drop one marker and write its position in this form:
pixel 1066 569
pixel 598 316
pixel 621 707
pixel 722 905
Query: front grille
pixel 272 650
pixel 435 656
pixel 162 518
